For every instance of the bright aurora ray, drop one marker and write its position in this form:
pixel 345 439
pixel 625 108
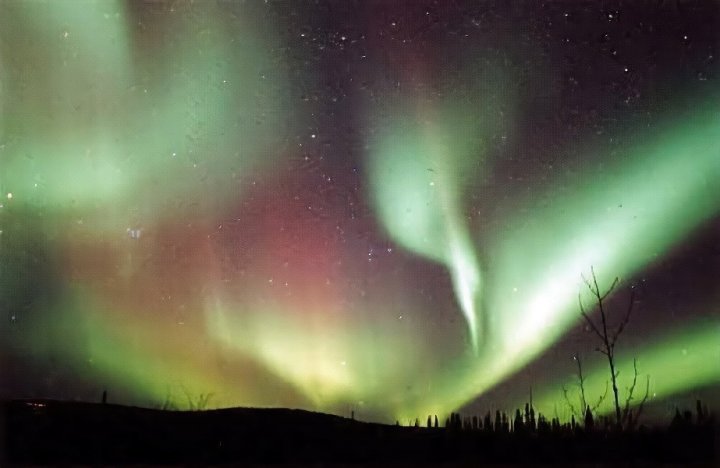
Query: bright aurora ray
pixel 415 175
pixel 178 219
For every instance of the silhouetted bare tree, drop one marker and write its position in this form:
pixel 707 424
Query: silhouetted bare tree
pixel 581 386
pixel 608 338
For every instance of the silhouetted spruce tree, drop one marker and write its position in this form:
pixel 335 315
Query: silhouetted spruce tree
pixel 498 421
pixel 543 427
pixel 589 421
pixel 417 422
pixel 555 425
pixel 487 425
pixel 703 415
pixel 677 422
pixel 518 424
pixel 533 425
pixel 436 421
pixel 527 413
pixel 429 421
pixel 455 421
pixel 606 423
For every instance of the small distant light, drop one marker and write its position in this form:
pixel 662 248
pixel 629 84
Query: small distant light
pixel 313 135
pixel 9 195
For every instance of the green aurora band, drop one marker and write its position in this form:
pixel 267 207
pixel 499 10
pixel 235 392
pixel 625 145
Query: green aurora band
pixel 118 130
pixel 617 219
pixel 100 120
pixel 674 363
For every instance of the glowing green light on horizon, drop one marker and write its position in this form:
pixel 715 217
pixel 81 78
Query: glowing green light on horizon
pixel 678 362
pixel 618 220
pixel 320 357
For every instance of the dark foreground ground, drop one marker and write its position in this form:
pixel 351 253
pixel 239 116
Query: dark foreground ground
pixel 53 432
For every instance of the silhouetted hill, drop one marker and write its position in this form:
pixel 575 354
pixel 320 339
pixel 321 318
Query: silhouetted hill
pixel 47 431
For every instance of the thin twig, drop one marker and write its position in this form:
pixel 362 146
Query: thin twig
pixel 625 321
pixel 567 401
pixel 601 399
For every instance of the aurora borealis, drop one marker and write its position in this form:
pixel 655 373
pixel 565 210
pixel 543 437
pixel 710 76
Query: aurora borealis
pixel 383 207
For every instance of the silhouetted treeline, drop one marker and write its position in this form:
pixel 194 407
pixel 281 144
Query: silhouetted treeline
pixel 525 422
pixel 41 432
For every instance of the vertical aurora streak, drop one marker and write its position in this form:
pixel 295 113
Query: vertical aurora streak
pixel 616 220
pixel 415 174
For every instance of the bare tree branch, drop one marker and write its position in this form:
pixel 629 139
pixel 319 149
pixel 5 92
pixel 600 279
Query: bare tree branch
pixel 628 419
pixel 587 283
pixel 610 289
pixel 608 339
pixel 625 321
pixel 567 402
pixel 581 380
pixel 587 318
pixel 601 399
pixel 644 399
pixel 630 391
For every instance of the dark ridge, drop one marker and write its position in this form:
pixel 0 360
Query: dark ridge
pixel 51 431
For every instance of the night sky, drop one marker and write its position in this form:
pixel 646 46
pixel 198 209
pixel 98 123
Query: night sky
pixel 379 207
